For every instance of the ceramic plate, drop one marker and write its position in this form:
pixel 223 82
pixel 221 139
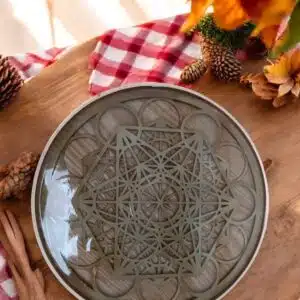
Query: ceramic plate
pixel 149 192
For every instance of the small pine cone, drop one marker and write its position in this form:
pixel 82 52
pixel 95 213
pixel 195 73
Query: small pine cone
pixel 225 66
pixel 193 71
pixel 208 48
pixel 16 176
pixel 10 81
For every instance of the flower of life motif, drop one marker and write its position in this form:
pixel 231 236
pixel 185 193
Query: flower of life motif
pixel 165 190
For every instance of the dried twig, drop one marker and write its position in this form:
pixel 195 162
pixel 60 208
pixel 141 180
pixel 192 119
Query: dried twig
pixel 30 284
pixel 268 163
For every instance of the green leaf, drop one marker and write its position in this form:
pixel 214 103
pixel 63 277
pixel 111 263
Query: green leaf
pixel 293 31
pixel 233 39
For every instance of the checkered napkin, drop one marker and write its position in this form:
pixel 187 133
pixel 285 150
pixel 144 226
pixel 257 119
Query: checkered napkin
pixel 154 51
pixel 7 287
pixel 30 64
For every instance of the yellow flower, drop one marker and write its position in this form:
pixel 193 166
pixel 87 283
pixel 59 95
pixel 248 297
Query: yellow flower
pixel 229 14
pixel 285 72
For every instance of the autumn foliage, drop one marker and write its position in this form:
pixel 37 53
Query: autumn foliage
pixel 268 15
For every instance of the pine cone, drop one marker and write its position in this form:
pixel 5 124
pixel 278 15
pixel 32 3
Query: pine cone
pixel 10 81
pixel 224 65
pixel 16 176
pixel 193 71
pixel 207 48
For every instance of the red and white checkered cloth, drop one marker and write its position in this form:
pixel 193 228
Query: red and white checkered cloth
pixel 154 51
pixel 30 64
pixel 7 287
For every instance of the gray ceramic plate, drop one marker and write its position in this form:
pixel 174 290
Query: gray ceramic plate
pixel 149 192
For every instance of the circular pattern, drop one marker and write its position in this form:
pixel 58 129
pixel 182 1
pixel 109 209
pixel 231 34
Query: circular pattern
pixel 149 192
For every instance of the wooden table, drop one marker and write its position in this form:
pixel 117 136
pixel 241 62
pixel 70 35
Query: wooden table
pixel 48 98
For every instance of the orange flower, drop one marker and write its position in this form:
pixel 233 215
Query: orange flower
pixel 198 9
pixel 229 14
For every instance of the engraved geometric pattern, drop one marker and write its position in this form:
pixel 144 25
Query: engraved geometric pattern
pixel 163 205
pixel 158 210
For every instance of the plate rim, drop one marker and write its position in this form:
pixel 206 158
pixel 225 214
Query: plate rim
pixel 92 99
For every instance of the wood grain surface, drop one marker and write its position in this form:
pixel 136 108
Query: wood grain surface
pixel 48 98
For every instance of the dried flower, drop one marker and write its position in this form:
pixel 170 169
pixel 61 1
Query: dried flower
pixel 279 81
pixel 248 78
pixel 262 88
